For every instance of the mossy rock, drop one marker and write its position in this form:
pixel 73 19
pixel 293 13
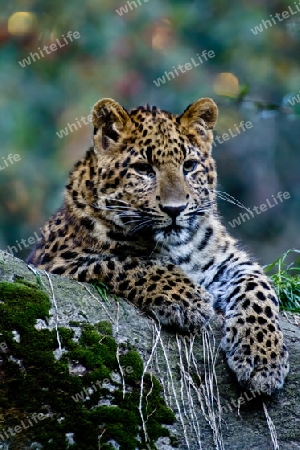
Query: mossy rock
pixel 74 400
pixel 179 362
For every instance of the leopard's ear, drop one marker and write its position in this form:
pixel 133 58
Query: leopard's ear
pixel 203 112
pixel 110 118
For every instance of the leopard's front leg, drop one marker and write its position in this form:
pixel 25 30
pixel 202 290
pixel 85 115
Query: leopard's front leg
pixel 163 291
pixel 253 341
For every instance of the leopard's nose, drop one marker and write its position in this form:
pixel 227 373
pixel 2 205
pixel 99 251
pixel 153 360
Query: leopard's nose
pixel 173 211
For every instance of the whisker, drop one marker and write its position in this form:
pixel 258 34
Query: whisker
pixel 140 226
pixel 134 221
pixel 124 204
pixel 128 214
pixel 204 207
pixel 122 211
pixel 230 199
pixel 159 241
pixel 117 209
pixel 117 200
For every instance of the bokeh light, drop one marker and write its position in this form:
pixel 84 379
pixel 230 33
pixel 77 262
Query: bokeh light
pixel 162 34
pixel 226 84
pixel 21 23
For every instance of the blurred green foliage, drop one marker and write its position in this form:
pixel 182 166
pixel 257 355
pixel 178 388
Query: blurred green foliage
pixel 120 56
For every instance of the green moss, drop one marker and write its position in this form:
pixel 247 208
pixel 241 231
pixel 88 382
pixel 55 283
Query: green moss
pixel 91 405
pixel 133 361
pixel 74 323
pixel 105 328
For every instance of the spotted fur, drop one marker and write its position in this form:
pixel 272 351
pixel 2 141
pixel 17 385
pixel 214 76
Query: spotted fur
pixel 140 215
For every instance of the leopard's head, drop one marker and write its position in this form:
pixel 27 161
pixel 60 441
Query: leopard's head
pixel 156 172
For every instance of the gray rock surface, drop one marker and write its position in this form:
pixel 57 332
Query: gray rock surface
pixel 213 412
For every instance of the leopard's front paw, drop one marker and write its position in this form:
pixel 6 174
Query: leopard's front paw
pixel 260 367
pixel 187 313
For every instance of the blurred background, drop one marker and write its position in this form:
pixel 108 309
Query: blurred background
pixel 121 49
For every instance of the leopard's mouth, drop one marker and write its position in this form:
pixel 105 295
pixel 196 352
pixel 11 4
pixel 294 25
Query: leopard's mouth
pixel 178 230
pixel 173 227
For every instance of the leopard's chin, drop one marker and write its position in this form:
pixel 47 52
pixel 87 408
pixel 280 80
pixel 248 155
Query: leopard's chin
pixel 173 235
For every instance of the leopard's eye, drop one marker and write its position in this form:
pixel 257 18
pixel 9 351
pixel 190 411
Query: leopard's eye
pixel 190 165
pixel 143 168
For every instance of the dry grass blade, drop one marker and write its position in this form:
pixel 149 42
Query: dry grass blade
pixel 272 429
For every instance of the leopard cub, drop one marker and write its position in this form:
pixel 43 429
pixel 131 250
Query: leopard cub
pixel 140 215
